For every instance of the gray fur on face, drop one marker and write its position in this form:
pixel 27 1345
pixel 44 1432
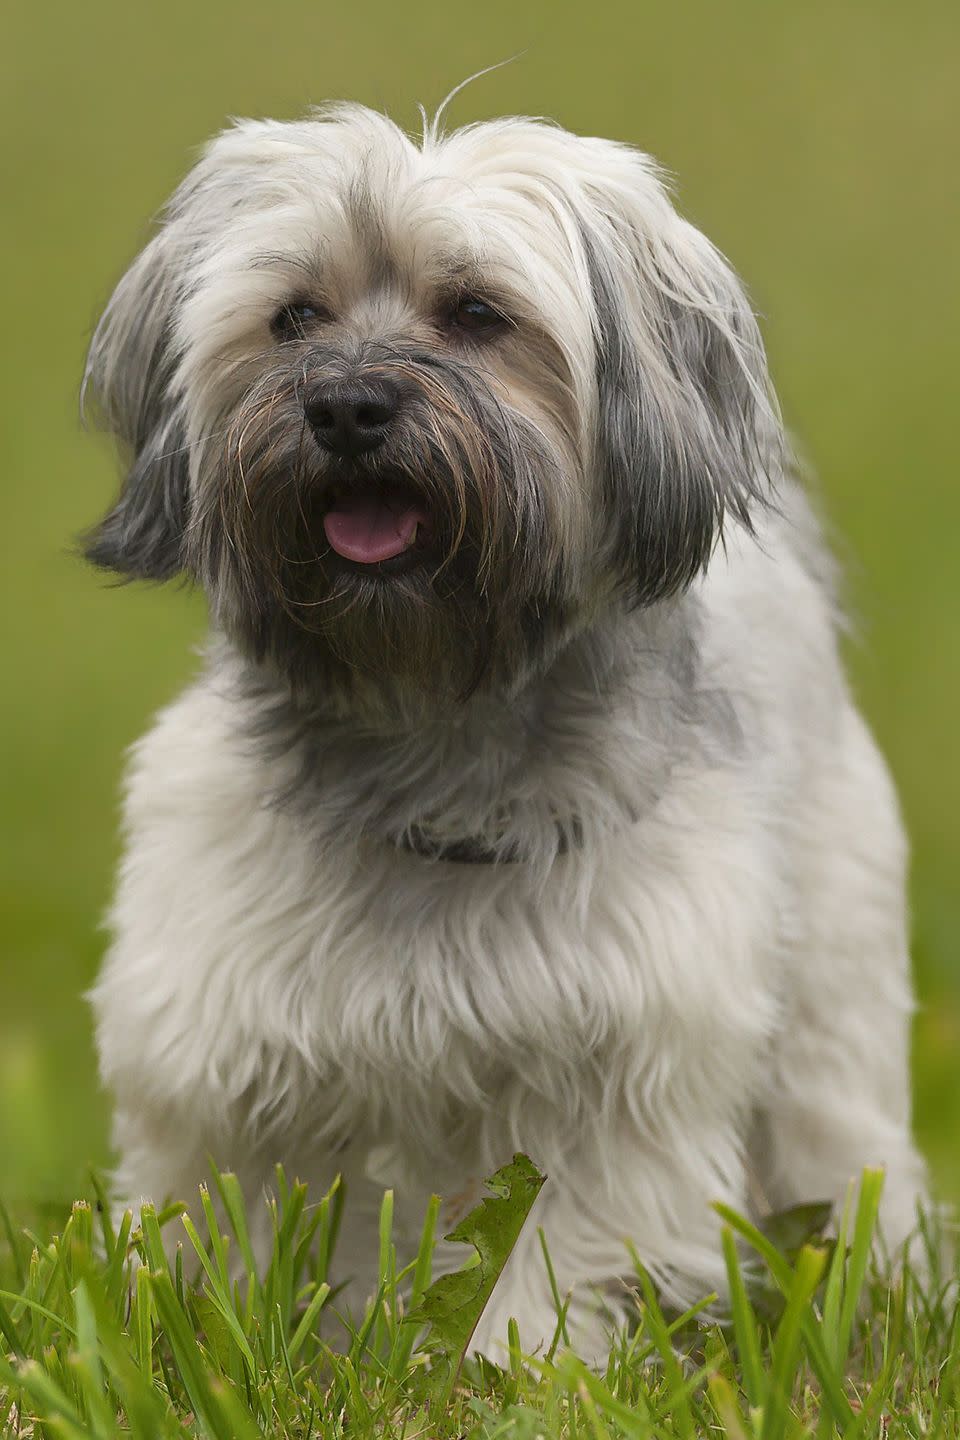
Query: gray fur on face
pixel 131 369
pixel 257 544
pixel 674 462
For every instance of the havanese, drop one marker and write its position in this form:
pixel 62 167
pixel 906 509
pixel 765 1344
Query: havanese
pixel 520 803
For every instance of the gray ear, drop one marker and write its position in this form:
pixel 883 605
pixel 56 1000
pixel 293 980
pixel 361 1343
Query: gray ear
pixel 687 430
pixel 130 370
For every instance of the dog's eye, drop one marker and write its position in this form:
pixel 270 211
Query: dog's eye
pixel 471 313
pixel 290 322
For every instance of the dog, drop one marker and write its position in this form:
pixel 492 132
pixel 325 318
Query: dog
pixel 520 803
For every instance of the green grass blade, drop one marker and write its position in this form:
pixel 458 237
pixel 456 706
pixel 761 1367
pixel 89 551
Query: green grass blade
pixel 728 1411
pixel 151 1240
pixel 234 1207
pixel 86 1360
pixel 580 1380
pixel 215 1238
pixel 387 1272
pixel 330 1215
pixel 833 1290
pixel 118 1268
pixel 15 1246
pixel 406 1336
pixel 308 1320
pixel 786 1348
pixel 104 1214
pixel 220 1298
pixel 8 1328
pixel 143 1322
pixel 823 1366
pixel 220 1420
pixel 35 1308
pixel 559 1305
pixel 864 1231
pixel 659 1333
pixel 745 1325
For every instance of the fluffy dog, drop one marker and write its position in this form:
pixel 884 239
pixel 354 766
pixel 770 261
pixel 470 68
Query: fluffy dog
pixel 521 803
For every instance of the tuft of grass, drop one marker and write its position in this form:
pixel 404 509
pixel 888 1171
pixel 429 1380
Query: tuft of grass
pixel 102 1336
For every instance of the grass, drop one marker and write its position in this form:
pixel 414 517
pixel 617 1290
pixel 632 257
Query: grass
pixel 106 1337
pixel 815 142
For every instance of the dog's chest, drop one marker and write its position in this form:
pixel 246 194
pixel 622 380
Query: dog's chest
pixel 337 977
pixel 412 971
pixel 435 988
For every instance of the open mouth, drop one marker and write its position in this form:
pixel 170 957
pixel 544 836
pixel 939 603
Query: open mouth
pixel 371 525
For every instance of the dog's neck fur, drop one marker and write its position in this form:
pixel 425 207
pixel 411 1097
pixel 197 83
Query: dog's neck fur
pixel 489 774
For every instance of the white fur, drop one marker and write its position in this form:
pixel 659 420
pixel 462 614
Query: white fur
pixel 708 996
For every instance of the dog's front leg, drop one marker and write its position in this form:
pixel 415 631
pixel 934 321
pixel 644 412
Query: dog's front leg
pixel 837 1096
pixel 166 1155
pixel 596 1212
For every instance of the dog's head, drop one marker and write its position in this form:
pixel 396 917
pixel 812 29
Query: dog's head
pixel 417 411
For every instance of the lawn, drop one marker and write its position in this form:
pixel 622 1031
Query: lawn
pixel 815 143
pixel 815 1340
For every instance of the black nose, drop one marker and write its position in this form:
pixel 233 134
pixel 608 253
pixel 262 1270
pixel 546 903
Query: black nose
pixel 349 417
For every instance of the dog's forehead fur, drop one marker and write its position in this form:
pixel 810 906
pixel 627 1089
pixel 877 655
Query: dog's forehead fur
pixel 347 208
pixel 492 196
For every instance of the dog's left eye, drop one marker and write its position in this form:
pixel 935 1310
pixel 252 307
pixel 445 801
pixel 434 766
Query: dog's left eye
pixel 471 313
pixel 290 321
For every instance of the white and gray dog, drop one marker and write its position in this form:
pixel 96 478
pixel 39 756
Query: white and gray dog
pixel 521 803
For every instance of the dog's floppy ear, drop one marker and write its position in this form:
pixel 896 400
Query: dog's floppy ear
pixel 687 424
pixel 129 375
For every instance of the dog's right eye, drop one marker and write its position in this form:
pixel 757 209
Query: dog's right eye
pixel 472 313
pixel 291 321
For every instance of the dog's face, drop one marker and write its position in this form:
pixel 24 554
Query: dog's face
pixel 416 413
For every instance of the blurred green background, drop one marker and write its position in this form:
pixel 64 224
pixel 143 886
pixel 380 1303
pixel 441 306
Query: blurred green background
pixel 815 142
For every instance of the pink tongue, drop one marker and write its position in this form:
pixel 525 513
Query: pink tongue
pixel 368 529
